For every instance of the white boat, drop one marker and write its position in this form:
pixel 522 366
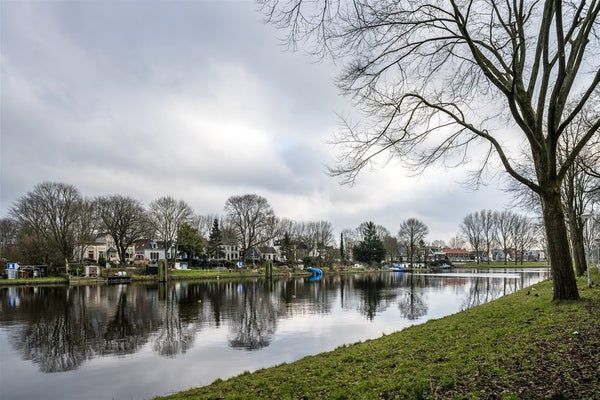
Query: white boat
pixel 396 267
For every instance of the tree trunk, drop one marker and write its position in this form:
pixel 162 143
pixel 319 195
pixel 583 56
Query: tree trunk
pixel 565 286
pixel 577 245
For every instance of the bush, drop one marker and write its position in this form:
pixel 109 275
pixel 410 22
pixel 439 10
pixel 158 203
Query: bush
pixel 102 262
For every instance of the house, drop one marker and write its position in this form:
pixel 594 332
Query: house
pixel 152 250
pixel 435 254
pixel 456 254
pixel 103 247
pixel 252 255
pixel 269 253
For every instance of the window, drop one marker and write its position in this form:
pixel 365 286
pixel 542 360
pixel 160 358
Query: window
pixel 91 254
pixel 154 255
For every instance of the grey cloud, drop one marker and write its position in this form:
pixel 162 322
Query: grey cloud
pixel 198 99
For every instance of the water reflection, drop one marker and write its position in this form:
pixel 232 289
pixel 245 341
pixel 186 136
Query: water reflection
pixel 59 328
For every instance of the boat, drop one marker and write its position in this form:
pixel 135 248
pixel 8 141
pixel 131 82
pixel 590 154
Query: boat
pixel 315 271
pixel 399 268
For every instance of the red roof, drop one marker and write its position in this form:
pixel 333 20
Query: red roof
pixel 449 250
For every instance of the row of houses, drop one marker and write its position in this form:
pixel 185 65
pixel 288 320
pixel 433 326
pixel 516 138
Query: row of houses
pixel 464 255
pixel 104 248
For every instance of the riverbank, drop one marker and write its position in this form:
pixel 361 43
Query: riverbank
pixel 180 275
pixel 520 346
pixel 500 264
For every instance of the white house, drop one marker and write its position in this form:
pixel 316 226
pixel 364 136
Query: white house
pixel 103 247
pixel 152 250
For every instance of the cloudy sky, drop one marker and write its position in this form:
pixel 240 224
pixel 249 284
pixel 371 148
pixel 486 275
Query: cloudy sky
pixel 198 100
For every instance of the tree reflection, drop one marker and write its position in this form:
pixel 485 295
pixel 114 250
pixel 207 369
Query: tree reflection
pixel 129 327
pixel 254 319
pixel 411 304
pixel 373 296
pixel 61 336
pixel 174 336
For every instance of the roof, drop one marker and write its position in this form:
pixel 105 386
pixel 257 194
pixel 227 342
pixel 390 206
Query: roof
pixel 267 250
pixel 450 250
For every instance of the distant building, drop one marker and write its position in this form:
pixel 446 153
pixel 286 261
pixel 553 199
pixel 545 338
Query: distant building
pixel 103 247
pixel 456 254
pixel 152 250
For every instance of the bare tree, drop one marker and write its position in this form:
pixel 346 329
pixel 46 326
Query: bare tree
pixel 252 218
pixel 390 243
pixel 505 221
pixel 472 228
pixel 124 219
pixel 9 230
pixel 319 233
pixel 50 212
pixel 456 242
pixel 86 225
pixel 488 226
pixel 438 77
pixel 411 233
pixel 524 236
pixel 167 215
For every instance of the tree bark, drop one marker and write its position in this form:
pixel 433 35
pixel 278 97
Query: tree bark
pixel 565 286
pixel 577 245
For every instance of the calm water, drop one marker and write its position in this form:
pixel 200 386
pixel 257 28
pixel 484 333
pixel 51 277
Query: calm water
pixel 141 340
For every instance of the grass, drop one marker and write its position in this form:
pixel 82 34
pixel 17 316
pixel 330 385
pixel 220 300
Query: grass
pixel 500 264
pixel 520 346
pixel 34 281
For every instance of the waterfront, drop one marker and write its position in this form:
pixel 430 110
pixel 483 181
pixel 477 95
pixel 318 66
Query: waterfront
pixel 140 340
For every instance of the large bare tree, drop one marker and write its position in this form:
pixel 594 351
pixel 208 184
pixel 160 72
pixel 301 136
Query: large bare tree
pixel 252 218
pixel 124 219
pixel 50 213
pixel 472 228
pixel 412 232
pixel 86 226
pixel 167 215
pixel 438 77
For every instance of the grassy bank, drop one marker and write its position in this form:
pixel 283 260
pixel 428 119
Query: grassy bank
pixel 520 346
pixel 34 281
pixel 500 264
pixel 191 274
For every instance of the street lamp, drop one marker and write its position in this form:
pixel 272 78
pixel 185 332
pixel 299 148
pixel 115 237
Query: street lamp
pixel 585 218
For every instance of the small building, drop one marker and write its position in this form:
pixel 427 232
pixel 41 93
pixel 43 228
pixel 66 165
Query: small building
pixel 152 250
pixel 456 254
pixel 91 271
pixel 268 253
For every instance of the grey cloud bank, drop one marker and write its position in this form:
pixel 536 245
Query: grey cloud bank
pixel 195 99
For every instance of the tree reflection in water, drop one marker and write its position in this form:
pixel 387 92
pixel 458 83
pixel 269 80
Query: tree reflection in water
pixel 411 303
pixel 175 336
pixel 254 319
pixel 374 294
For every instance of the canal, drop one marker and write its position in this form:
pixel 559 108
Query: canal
pixel 140 340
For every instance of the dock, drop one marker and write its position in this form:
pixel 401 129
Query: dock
pixel 118 279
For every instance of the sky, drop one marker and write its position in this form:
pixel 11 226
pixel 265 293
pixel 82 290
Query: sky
pixel 199 100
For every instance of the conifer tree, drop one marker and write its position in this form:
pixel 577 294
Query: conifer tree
pixel 215 241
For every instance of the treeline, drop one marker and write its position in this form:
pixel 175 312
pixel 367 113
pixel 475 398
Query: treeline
pixel 54 221
pixel 508 231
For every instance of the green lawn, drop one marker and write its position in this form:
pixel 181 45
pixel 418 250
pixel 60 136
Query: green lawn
pixel 520 346
pixel 500 264
pixel 34 281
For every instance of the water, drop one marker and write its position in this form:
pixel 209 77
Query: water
pixel 141 340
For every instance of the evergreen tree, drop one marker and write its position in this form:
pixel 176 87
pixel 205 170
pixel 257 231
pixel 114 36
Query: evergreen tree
pixel 190 241
pixel 370 249
pixel 287 248
pixel 342 251
pixel 215 241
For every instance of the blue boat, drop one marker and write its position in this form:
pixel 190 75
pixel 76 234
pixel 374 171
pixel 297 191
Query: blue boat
pixel 315 271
